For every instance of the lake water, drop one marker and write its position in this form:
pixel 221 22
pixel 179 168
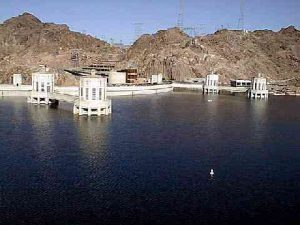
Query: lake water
pixel 149 162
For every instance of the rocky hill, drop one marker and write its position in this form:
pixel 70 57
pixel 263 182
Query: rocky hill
pixel 232 54
pixel 26 42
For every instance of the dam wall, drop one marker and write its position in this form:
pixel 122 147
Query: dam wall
pixel 187 87
pixel 24 90
pixel 139 90
pixel 121 90
pixel 7 90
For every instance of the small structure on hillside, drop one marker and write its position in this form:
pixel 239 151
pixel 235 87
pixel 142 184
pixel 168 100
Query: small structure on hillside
pixel 258 88
pixel 92 96
pixel 42 86
pixel 17 79
pixel 157 79
pixel 211 84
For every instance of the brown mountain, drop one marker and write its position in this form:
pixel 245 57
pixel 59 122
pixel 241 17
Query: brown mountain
pixel 26 42
pixel 232 54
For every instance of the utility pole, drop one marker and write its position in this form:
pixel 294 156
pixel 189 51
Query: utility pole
pixel 180 14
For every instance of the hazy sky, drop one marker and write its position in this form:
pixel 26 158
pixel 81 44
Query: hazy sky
pixel 115 18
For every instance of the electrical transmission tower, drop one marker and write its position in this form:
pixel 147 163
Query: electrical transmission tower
pixel 180 14
pixel 242 15
pixel 138 30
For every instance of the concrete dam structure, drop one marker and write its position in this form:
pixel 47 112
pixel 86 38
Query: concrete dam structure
pixel 91 97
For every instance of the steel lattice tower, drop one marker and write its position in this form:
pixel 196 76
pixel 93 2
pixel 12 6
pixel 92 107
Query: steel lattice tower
pixel 180 14
pixel 242 15
pixel 137 30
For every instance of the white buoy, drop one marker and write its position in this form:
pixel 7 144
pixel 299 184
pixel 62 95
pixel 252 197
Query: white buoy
pixel 209 100
pixel 211 172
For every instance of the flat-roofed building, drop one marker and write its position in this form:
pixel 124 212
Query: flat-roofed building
pixel 157 79
pixel 102 68
pixel 131 75
pixel 115 77
pixel 240 83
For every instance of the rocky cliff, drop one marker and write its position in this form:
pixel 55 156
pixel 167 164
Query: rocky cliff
pixel 232 54
pixel 26 42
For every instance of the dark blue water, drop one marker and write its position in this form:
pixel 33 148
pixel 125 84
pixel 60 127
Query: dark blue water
pixel 149 162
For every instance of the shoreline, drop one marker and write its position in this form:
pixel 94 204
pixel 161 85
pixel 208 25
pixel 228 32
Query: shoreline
pixel 7 90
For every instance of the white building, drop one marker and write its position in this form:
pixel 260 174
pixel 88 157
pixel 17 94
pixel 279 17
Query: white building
pixel 17 79
pixel 92 97
pixel 211 84
pixel 42 86
pixel 258 88
pixel 115 77
pixel 157 79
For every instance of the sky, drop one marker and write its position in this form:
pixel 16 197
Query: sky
pixel 114 20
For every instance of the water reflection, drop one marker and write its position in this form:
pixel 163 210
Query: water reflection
pixel 17 111
pixel 258 119
pixel 42 128
pixel 92 132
